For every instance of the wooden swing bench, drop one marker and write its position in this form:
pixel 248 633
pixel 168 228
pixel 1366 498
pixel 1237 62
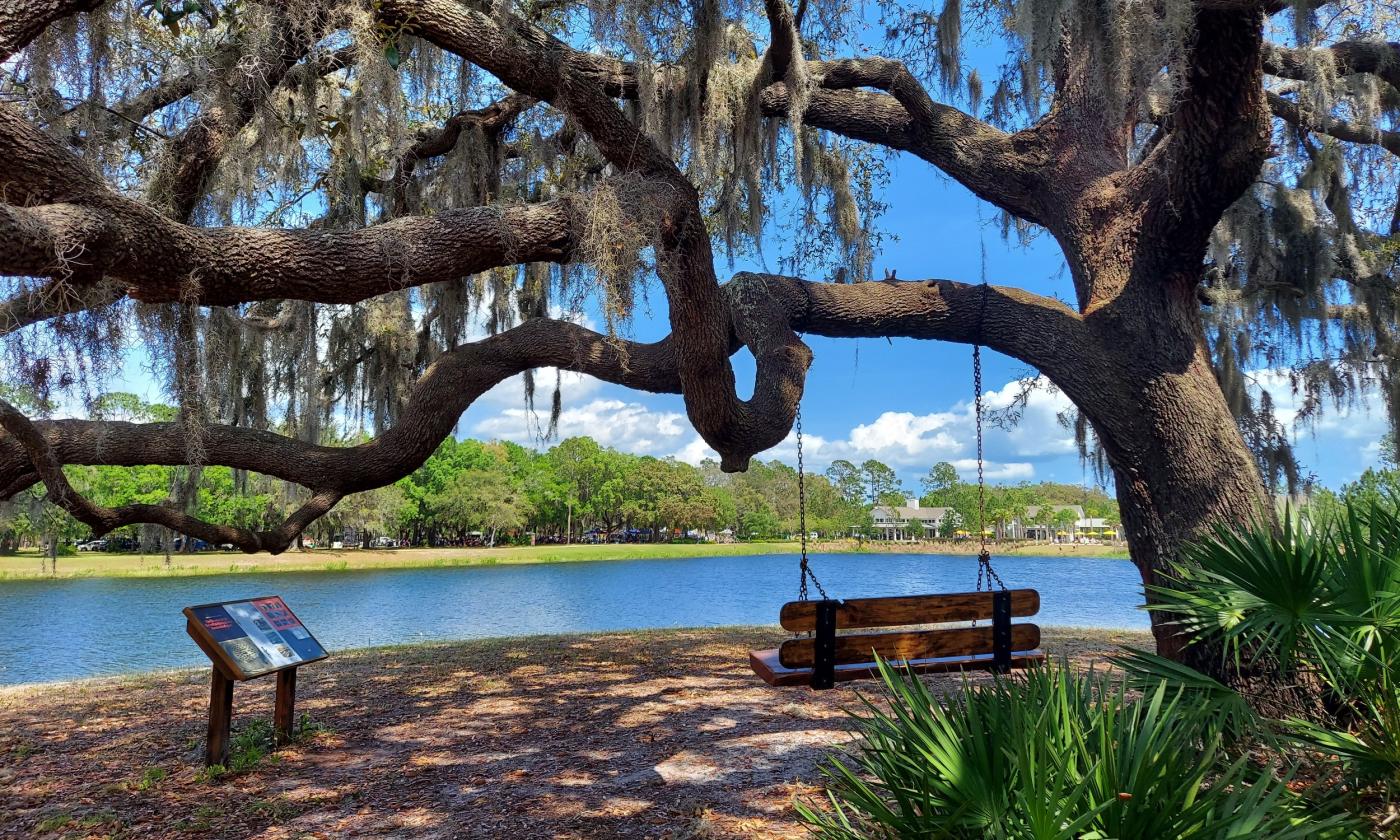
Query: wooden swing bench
pixel 825 658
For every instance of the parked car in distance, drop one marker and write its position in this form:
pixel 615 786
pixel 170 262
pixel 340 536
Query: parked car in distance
pixel 93 545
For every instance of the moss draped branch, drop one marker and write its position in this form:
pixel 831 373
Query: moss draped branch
pixel 21 21
pixel 1379 58
pixel 765 312
pixel 49 469
pixel 1346 130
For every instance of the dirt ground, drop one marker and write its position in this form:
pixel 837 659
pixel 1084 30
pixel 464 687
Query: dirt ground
pixel 637 735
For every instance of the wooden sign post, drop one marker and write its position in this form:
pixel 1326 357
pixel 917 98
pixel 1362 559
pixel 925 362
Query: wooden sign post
pixel 244 640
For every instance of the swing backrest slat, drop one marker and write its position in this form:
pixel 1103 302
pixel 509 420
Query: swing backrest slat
pixel 904 610
pixel 902 646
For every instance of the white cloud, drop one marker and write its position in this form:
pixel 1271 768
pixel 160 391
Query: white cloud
pixel 696 451
pixel 902 439
pixel 994 470
pixel 629 426
pixel 905 440
pixel 1360 423
pixel 573 387
pixel 1038 433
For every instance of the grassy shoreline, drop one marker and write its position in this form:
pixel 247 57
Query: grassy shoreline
pixel 497 647
pixel 27 565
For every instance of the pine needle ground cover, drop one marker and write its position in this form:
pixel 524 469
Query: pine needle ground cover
pixel 656 734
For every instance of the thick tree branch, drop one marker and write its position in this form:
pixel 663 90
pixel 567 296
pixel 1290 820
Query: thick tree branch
pixel 95 233
pixel 1346 130
pixel 1006 170
pixel 1344 58
pixel 438 398
pixel 1038 330
pixel 125 242
pixel 784 41
pixel 101 520
pixel 21 21
pixel 1216 139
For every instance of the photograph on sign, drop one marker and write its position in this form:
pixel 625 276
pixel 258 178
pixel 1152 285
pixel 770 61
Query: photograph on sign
pixel 259 635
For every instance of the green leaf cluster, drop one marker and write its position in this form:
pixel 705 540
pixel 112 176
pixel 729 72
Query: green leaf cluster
pixel 1320 600
pixel 1056 755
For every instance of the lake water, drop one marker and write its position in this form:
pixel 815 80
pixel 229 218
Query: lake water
pixel 63 629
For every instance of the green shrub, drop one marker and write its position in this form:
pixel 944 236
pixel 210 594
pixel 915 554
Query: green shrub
pixel 1324 603
pixel 1054 754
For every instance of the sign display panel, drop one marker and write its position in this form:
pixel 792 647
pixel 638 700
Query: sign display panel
pixel 253 637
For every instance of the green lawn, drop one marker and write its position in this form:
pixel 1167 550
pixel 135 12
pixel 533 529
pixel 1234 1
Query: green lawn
pixel 27 564
pixel 84 564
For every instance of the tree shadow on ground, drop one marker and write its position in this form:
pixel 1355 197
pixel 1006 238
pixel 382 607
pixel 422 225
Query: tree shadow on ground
pixel 636 735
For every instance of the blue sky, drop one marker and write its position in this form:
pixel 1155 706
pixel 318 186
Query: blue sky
pixel 907 402
pixel 904 402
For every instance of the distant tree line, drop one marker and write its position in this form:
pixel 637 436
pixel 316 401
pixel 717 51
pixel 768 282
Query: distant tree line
pixel 576 490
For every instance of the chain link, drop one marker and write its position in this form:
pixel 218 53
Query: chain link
pixel 986 575
pixel 981 473
pixel 802 516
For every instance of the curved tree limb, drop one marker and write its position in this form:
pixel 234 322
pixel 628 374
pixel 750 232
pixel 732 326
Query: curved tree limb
pixel 1379 58
pixel 533 62
pixel 101 520
pixel 1346 130
pixel 1038 330
pixel 431 143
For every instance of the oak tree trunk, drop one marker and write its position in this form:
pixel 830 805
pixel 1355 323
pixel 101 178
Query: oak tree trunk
pixel 1180 464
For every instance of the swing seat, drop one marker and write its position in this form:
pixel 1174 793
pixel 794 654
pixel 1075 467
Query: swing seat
pixel 826 658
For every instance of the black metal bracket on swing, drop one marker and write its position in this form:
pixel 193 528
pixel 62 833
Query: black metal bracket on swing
pixel 828 656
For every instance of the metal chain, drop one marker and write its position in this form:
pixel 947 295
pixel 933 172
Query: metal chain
pixel 802 516
pixel 986 575
pixel 981 474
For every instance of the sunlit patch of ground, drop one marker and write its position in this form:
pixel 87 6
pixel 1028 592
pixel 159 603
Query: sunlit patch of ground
pixel 635 735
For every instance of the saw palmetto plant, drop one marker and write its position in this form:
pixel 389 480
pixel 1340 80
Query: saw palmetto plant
pixel 1055 754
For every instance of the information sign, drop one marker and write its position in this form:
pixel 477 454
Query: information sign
pixel 252 638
